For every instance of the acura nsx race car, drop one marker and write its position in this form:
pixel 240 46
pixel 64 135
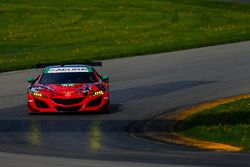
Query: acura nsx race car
pixel 68 88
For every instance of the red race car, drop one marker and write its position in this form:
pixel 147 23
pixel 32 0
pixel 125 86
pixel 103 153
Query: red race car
pixel 68 88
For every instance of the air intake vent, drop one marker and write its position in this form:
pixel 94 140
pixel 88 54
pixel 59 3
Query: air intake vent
pixel 67 101
pixel 41 104
pixel 66 109
pixel 95 102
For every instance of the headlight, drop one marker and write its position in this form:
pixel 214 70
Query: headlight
pixel 36 90
pixel 100 92
pixel 38 94
pixel 87 91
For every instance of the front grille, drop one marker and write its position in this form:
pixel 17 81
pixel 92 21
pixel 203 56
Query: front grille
pixel 76 108
pixel 68 101
pixel 41 104
pixel 95 102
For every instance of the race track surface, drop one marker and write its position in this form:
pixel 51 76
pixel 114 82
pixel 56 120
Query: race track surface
pixel 140 87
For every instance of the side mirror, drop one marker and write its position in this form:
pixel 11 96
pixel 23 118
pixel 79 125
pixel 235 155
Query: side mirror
pixel 105 78
pixel 30 79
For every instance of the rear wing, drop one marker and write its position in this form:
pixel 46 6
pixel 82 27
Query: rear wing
pixel 97 64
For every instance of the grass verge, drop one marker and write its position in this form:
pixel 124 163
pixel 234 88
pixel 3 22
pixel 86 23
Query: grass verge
pixel 73 30
pixel 227 123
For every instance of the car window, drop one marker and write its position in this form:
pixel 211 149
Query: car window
pixel 63 78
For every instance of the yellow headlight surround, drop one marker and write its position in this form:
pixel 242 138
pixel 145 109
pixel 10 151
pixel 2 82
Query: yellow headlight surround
pixel 38 94
pixel 98 93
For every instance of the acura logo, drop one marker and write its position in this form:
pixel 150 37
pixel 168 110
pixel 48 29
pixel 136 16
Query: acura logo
pixel 67 94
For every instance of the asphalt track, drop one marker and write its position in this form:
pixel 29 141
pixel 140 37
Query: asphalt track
pixel 140 87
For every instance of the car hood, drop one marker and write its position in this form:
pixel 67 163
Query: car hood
pixel 65 87
pixel 73 88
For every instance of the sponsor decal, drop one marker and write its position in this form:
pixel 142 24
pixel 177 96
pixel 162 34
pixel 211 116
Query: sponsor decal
pixel 67 69
pixel 68 85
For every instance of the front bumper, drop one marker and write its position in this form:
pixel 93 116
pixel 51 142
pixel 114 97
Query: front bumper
pixel 64 104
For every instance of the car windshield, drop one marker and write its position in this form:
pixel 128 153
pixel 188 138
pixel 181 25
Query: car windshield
pixel 63 78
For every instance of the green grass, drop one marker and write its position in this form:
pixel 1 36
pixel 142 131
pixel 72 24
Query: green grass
pixel 228 123
pixel 33 31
